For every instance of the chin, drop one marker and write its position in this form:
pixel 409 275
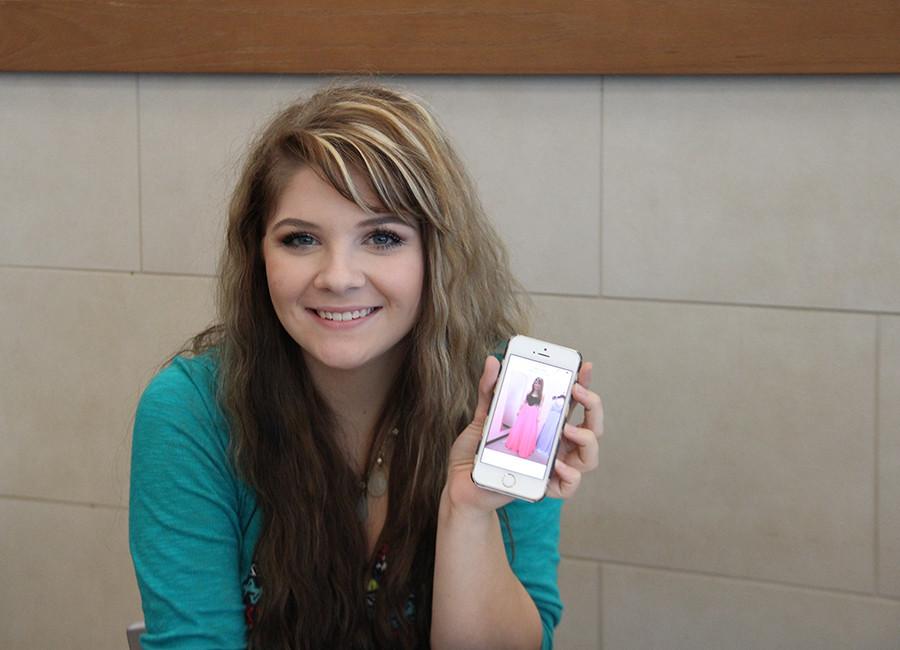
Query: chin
pixel 339 359
pixel 342 363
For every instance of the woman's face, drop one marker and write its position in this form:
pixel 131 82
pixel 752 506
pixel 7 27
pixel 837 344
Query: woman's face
pixel 345 286
pixel 537 385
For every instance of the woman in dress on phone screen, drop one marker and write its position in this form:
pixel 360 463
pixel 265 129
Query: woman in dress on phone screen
pixel 301 470
pixel 523 433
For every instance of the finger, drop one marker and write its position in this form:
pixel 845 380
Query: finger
pixel 485 390
pixel 593 408
pixel 586 374
pixel 565 446
pixel 585 450
pixel 567 479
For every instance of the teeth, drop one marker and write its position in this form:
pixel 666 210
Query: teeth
pixel 345 315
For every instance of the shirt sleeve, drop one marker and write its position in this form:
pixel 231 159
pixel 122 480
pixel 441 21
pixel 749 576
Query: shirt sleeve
pixel 534 556
pixel 184 528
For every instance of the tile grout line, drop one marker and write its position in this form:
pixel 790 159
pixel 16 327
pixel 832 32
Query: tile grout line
pixel 170 274
pixel 600 616
pixel 600 233
pixel 61 502
pixel 140 179
pixel 876 550
pixel 601 188
pixel 712 303
pixel 760 582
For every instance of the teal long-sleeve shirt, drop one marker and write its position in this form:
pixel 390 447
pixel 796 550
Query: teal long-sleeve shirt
pixel 193 524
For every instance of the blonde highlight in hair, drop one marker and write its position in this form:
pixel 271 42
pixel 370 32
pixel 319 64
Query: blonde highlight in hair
pixel 311 554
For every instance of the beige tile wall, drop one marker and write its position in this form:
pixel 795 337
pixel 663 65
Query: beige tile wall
pixel 76 356
pixel 796 176
pixel 889 456
pixel 69 171
pixel 724 250
pixel 579 583
pixel 740 440
pixel 67 576
pixel 193 133
pixel 650 609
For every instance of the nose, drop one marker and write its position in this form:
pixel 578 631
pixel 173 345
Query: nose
pixel 339 272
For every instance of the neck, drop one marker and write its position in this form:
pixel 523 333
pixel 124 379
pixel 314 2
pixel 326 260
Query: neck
pixel 357 397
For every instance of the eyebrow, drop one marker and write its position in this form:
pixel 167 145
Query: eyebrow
pixel 365 223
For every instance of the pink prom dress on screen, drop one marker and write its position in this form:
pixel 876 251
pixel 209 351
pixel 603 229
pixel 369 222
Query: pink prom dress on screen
pixel 524 431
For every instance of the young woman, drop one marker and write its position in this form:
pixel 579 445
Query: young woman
pixel 523 433
pixel 301 473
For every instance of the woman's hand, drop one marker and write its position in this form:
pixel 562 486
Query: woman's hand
pixel 461 494
pixel 579 449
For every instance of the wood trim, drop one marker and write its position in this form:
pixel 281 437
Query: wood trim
pixel 452 36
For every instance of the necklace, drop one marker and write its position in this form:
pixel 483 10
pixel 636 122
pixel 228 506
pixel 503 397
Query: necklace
pixel 375 482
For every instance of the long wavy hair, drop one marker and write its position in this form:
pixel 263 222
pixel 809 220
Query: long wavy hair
pixel 312 555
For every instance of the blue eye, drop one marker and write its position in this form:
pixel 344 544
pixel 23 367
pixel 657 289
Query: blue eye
pixel 298 240
pixel 385 239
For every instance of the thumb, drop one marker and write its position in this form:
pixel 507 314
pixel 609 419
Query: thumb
pixel 469 438
pixel 485 391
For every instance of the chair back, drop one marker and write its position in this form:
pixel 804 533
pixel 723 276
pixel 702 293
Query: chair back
pixel 134 632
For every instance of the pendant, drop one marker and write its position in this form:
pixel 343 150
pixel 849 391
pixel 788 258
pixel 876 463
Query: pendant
pixel 377 484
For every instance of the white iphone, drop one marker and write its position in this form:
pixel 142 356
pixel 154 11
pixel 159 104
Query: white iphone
pixel 527 414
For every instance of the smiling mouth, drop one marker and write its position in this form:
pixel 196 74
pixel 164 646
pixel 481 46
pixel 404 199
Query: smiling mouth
pixel 343 316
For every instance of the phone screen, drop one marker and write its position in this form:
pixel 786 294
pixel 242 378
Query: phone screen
pixel 527 416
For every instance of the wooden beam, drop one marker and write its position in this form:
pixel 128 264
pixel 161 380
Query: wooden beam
pixel 452 36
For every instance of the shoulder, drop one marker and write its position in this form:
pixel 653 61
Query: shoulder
pixel 185 384
pixel 188 518
pixel 186 378
pixel 179 408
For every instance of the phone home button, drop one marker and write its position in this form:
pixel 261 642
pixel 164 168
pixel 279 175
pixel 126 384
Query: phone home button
pixel 508 480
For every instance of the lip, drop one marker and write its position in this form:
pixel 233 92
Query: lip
pixel 344 324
